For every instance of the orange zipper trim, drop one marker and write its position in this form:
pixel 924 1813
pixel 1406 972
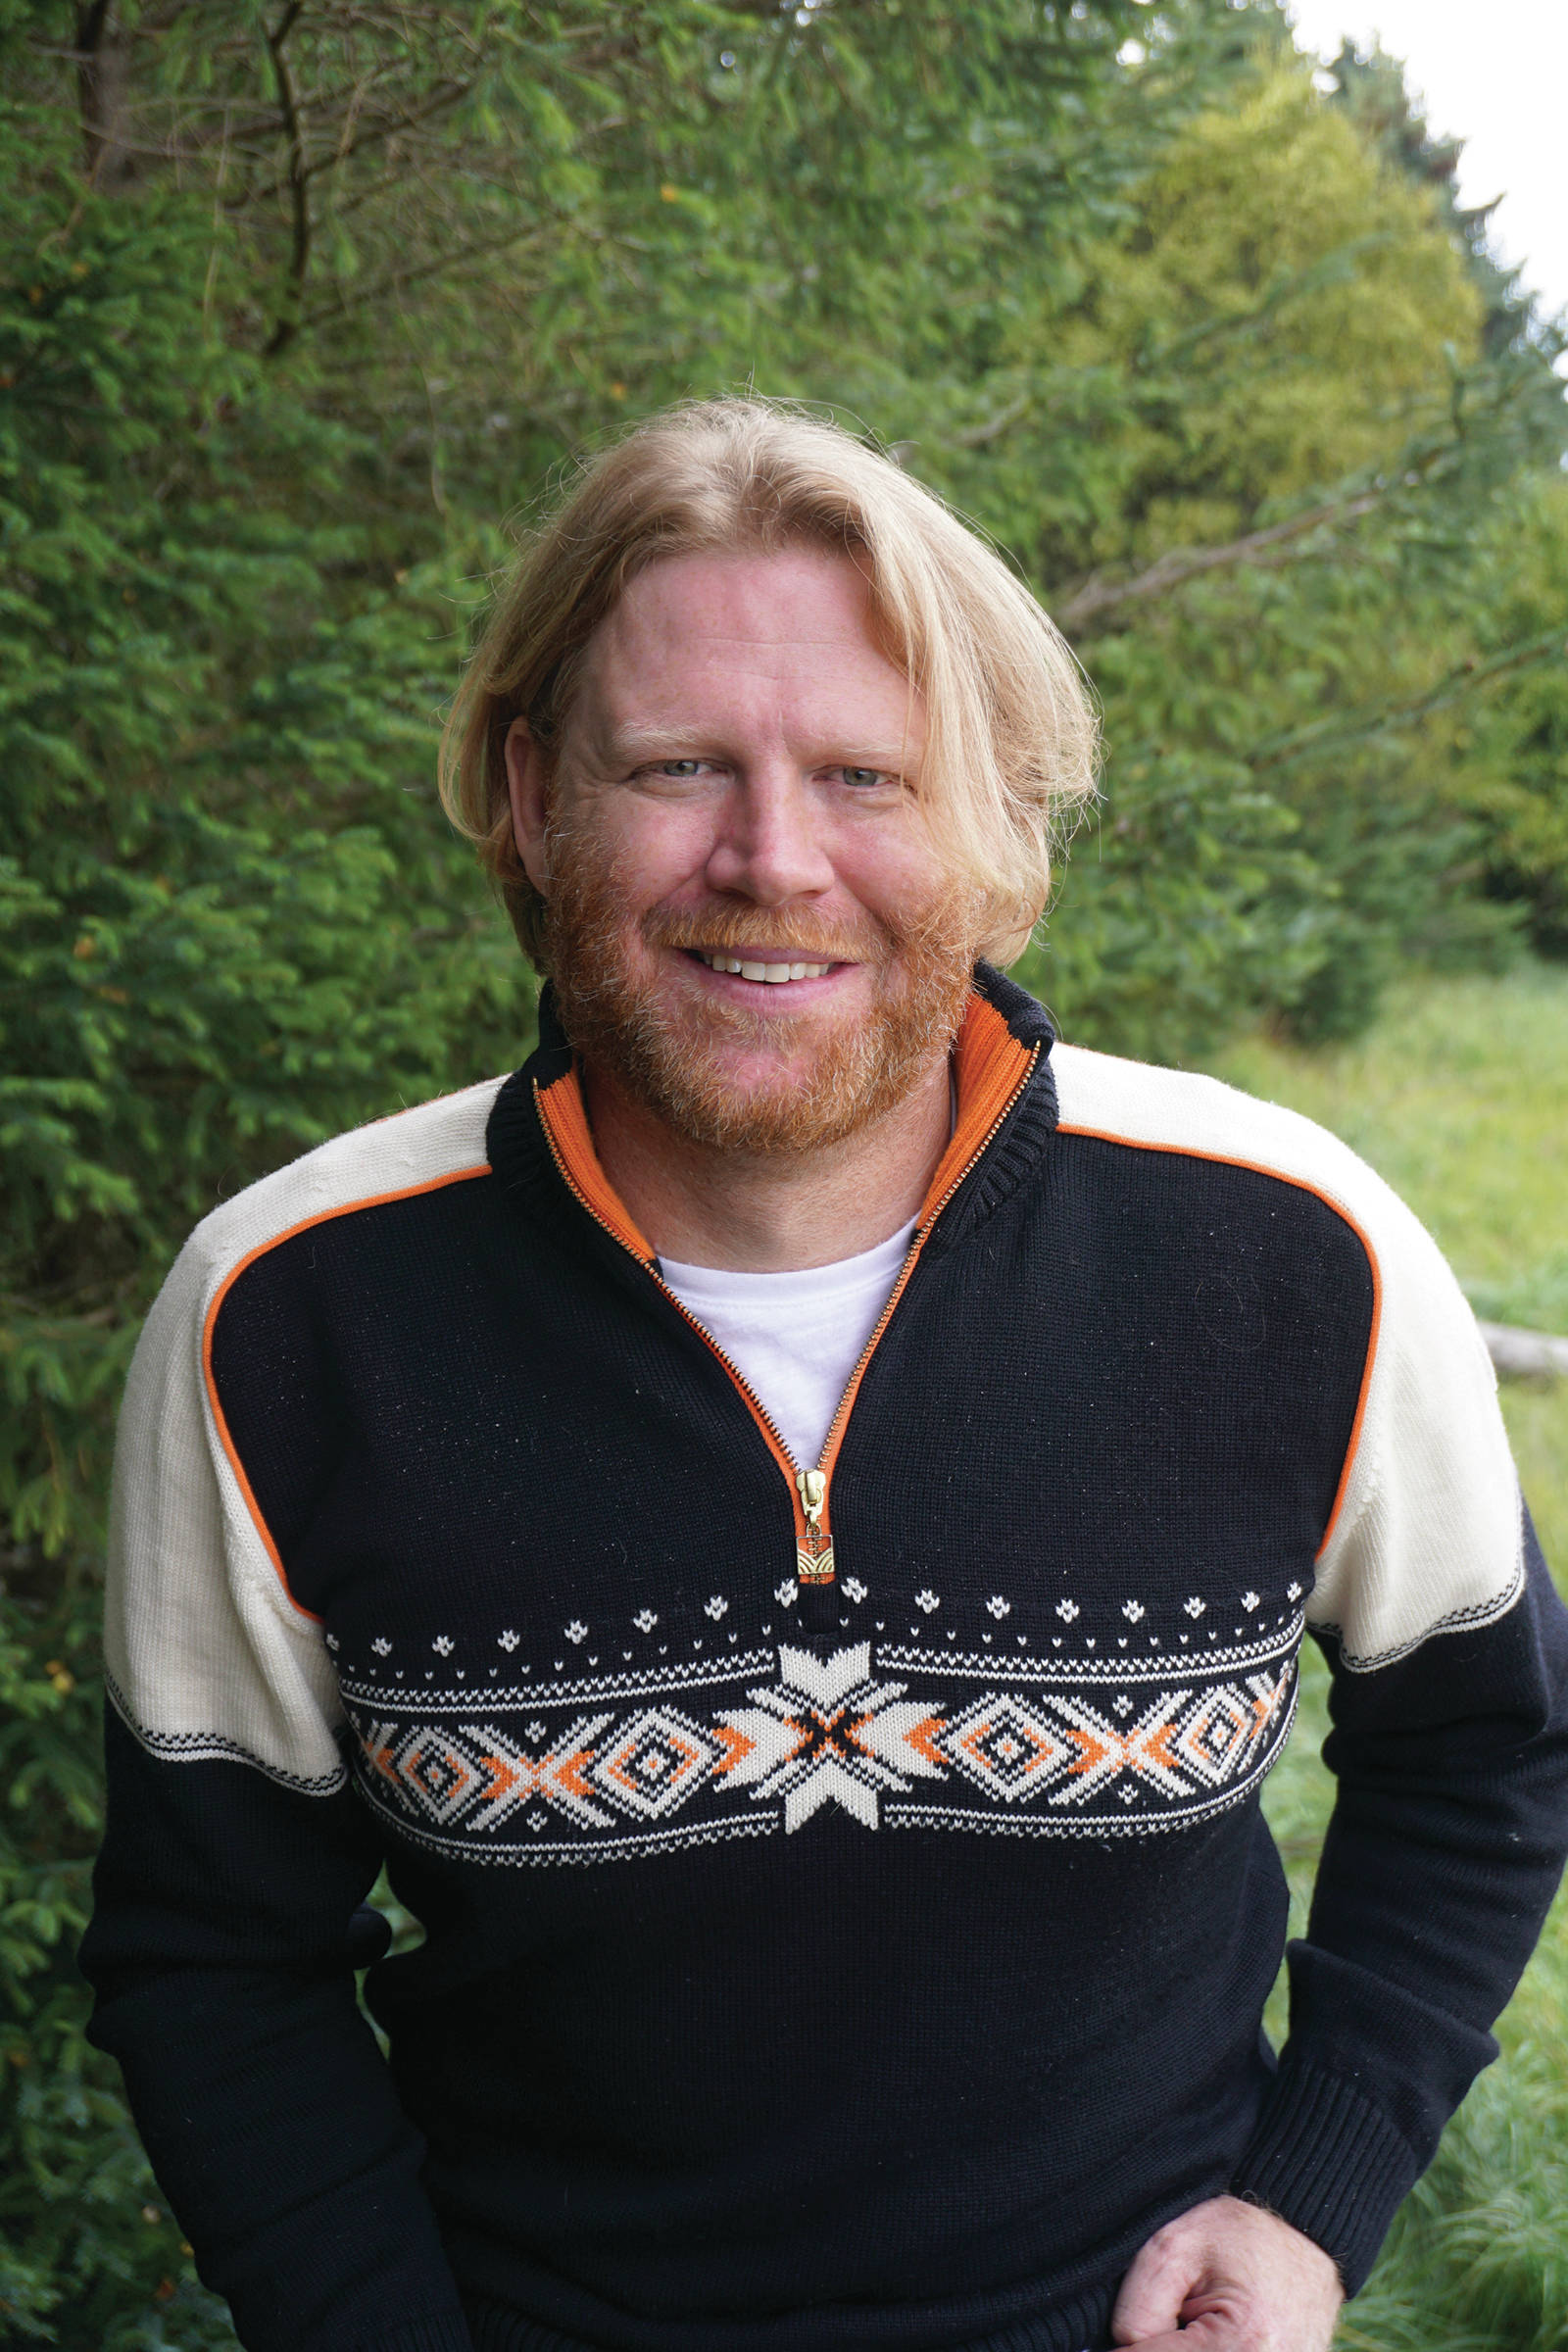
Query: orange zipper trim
pixel 992 1069
pixel 944 1185
pixel 565 1124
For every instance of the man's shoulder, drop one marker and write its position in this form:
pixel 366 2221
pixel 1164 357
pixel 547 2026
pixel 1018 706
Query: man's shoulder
pixel 411 1151
pixel 1189 1116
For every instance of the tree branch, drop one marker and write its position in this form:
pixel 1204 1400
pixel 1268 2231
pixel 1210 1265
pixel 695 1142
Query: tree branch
pixel 979 436
pixel 1307 743
pixel 288 317
pixel 395 279
pixel 1183 563
pixel 385 126
pixel 103 68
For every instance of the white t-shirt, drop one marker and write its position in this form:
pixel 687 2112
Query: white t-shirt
pixel 796 1337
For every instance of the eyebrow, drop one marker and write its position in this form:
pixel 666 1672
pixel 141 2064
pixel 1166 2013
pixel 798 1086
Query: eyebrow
pixel 625 746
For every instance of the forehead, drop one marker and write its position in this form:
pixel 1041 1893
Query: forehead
pixel 746 637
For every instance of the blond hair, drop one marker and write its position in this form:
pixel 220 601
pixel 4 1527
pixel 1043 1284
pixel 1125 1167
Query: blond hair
pixel 1011 732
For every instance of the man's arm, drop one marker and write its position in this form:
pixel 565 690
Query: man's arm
pixel 1442 1858
pixel 1449 1650
pixel 221 1950
pixel 235 1856
pixel 1443 1855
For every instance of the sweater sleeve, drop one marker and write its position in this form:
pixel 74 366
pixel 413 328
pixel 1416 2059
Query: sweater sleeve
pixel 224 1939
pixel 1449 1650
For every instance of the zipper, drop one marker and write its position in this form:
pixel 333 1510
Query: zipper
pixel 808 1486
pixel 922 1232
pixel 813 1542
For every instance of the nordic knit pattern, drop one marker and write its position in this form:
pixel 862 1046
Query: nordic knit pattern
pixel 847 1921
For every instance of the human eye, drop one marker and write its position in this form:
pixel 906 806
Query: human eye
pixel 866 779
pixel 678 770
pixel 862 776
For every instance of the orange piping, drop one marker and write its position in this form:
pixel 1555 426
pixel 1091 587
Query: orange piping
pixel 991 1068
pixel 1229 1159
pixel 566 1116
pixel 564 1119
pixel 371 1200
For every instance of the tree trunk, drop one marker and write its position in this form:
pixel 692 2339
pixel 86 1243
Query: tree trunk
pixel 103 81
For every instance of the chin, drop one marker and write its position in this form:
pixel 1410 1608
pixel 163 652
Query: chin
pixel 733 1079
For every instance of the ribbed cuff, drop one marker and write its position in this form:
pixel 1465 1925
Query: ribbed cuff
pixel 441 2332
pixel 1330 2164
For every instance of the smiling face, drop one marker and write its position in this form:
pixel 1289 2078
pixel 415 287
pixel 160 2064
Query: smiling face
pixel 749 927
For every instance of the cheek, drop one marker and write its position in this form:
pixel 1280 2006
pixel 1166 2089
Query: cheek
pixel 645 854
pixel 665 864
pixel 890 870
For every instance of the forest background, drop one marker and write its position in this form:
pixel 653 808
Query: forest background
pixel 303 305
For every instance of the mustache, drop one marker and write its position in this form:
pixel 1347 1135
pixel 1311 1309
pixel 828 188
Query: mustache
pixel 734 930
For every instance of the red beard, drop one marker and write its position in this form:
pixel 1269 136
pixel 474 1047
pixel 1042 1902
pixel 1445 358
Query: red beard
pixel 672 1064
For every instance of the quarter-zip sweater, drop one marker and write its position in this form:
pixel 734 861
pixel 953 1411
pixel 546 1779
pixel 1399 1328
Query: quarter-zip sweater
pixel 848 1913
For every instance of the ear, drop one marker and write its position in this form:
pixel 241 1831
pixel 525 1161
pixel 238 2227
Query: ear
pixel 528 788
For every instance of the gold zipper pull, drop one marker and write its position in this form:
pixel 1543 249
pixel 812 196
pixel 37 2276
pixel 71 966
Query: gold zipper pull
pixel 814 1560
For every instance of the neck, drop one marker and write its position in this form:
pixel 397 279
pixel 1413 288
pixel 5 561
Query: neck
pixel 764 1213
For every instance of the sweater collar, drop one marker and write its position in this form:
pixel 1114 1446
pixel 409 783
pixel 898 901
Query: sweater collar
pixel 541 1148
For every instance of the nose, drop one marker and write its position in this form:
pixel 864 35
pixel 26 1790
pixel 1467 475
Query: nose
pixel 770 845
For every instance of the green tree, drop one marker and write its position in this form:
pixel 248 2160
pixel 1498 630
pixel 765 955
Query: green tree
pixel 227 932
pixel 1370 90
pixel 1281 562
pixel 298 301
pixel 1511 752
pixel 245 256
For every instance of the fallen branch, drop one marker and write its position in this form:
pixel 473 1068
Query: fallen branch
pixel 1525 1354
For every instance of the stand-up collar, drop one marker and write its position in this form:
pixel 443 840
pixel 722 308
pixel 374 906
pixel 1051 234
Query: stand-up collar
pixel 541 1146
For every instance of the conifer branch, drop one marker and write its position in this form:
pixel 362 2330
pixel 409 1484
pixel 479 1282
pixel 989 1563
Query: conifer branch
pixel 1307 743
pixel 392 281
pixel 391 127
pixel 1184 563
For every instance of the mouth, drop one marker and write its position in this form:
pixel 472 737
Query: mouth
pixel 771 971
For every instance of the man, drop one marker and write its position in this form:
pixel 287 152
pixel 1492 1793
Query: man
pixel 787 1526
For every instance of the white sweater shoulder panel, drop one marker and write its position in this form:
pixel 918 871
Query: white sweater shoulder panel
pixel 1425 1533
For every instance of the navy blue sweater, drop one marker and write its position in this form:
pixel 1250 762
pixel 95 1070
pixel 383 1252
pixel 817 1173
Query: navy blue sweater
pixel 848 1912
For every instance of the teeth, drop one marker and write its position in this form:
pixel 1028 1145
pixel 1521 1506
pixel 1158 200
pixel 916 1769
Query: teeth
pixel 771 973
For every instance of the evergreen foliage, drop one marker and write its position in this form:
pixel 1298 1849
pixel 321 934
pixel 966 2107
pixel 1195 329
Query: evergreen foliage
pixel 1511 749
pixel 299 301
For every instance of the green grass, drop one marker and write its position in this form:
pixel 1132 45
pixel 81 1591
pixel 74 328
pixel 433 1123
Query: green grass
pixel 1459 1096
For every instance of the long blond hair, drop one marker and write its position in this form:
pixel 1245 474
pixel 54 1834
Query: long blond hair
pixel 1011 741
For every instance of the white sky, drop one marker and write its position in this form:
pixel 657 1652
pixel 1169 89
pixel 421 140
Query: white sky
pixel 1494 73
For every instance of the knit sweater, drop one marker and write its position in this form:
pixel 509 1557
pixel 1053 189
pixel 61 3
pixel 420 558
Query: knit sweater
pixel 847 1910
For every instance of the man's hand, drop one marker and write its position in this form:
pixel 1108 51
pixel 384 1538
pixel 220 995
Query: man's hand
pixel 1237 2280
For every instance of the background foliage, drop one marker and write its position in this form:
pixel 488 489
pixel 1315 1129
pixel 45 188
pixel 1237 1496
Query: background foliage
pixel 299 301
